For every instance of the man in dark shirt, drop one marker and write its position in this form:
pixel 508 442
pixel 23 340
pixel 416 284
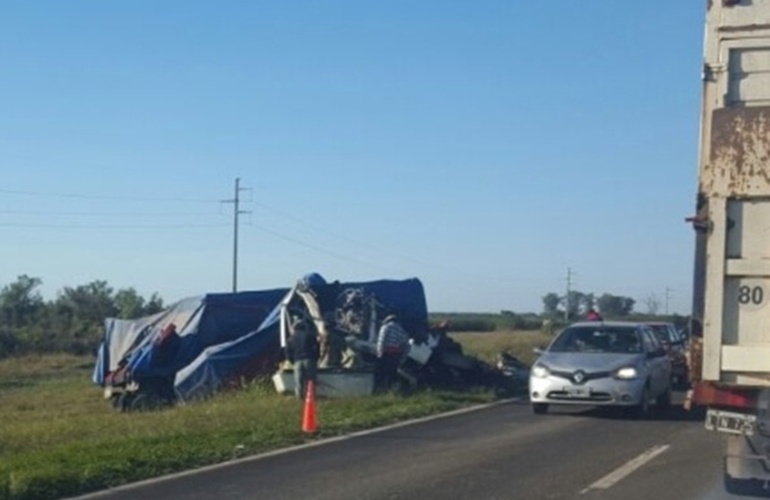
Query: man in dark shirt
pixel 302 350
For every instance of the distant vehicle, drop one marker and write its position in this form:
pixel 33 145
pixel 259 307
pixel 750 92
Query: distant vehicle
pixel 676 346
pixel 602 364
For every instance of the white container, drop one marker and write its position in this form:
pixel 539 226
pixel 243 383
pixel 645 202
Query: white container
pixel 337 383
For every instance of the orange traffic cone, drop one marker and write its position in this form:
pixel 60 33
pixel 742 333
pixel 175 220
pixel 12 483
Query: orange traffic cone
pixel 309 425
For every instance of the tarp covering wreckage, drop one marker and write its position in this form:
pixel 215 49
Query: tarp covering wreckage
pixel 130 350
pixel 201 345
pixel 224 337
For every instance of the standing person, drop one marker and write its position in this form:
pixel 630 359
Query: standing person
pixel 302 350
pixel 392 342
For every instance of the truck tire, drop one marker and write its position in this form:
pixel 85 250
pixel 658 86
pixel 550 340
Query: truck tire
pixel 540 408
pixel 147 402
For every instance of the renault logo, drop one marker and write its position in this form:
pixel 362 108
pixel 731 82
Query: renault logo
pixel 579 376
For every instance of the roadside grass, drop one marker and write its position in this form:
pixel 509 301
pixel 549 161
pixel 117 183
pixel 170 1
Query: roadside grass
pixel 59 438
pixel 487 345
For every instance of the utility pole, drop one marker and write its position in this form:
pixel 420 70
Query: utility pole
pixel 236 201
pixel 566 296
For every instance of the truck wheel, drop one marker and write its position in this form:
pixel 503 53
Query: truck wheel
pixel 540 408
pixel 124 401
pixel 146 402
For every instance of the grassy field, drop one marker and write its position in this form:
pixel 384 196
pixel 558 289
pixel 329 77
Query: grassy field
pixel 487 345
pixel 58 437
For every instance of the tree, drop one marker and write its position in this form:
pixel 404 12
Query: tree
pixel 574 303
pixel 20 301
pixel 627 305
pixel 614 305
pixel 653 304
pixel 154 305
pixel 551 303
pixel 129 303
pixel 83 310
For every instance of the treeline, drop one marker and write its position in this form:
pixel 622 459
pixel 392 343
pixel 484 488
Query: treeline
pixel 488 322
pixel 72 322
pixel 508 321
pixel 577 304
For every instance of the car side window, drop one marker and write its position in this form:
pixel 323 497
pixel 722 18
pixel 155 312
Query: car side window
pixel 646 341
pixel 657 345
pixel 651 343
pixel 674 334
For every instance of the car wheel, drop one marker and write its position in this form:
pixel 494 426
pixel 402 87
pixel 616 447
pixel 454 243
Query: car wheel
pixel 663 402
pixel 540 408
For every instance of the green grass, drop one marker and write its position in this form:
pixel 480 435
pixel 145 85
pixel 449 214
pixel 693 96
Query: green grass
pixel 58 437
pixel 486 345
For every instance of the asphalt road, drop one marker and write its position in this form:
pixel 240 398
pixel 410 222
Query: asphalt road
pixel 503 452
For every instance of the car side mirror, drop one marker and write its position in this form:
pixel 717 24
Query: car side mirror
pixel 538 350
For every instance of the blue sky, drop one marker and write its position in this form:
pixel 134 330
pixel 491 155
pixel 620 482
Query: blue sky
pixel 483 147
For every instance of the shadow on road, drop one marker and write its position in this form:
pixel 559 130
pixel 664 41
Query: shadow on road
pixel 675 413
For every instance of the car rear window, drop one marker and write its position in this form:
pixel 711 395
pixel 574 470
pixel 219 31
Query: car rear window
pixel 599 339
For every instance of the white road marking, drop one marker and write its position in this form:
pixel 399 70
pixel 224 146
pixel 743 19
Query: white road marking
pixel 626 469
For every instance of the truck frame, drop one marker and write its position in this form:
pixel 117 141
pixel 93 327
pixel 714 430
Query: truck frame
pixel 730 349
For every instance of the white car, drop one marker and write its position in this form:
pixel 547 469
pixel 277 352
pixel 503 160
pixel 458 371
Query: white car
pixel 602 364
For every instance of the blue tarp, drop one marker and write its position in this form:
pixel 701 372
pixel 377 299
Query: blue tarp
pixel 219 363
pixel 201 322
pixel 224 336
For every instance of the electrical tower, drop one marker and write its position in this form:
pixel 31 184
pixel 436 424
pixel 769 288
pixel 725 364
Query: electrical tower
pixel 237 212
pixel 567 295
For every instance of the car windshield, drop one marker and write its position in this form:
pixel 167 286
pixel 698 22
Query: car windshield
pixel 598 339
pixel 663 332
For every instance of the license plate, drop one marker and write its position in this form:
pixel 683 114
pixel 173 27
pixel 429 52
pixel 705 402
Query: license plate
pixel 578 392
pixel 729 422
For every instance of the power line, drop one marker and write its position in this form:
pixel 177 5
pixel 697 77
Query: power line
pixel 53 213
pixel 82 196
pixel 490 284
pixel 474 276
pixel 331 253
pixel 107 226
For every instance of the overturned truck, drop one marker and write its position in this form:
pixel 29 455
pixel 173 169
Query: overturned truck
pixel 206 344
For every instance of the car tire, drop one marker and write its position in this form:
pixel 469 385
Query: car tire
pixel 540 408
pixel 663 401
